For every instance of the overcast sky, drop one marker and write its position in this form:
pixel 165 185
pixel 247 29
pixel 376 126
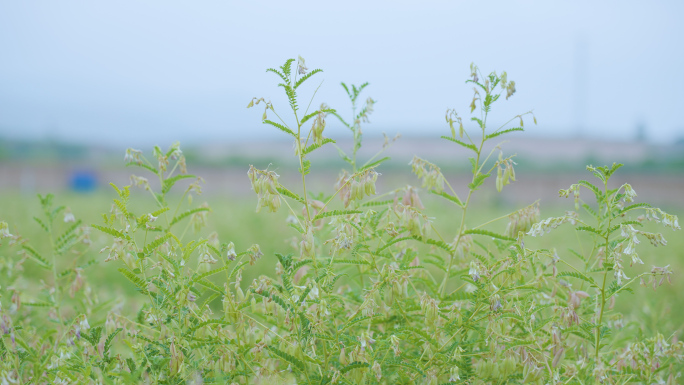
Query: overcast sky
pixel 140 72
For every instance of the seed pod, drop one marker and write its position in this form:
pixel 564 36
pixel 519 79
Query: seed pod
pixel 368 187
pixel 499 180
pixel 358 187
pixel 275 203
pixel 343 357
pixel 507 175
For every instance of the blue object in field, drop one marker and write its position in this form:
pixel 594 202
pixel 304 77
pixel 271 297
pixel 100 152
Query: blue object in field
pixel 83 181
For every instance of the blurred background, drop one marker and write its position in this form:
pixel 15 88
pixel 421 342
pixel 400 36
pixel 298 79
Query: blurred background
pixel 81 81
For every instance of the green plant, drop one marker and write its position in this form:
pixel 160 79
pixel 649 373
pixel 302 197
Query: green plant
pixel 372 290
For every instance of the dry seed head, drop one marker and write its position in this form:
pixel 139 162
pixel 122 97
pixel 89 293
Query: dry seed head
pixel 522 220
pixel 394 345
pixel 317 128
pixel 133 156
pixel 140 181
pixel 255 101
pixel 545 226
pixel 451 117
pixel 473 271
pixel 344 187
pixel 377 370
pixel 411 198
pixel 4 230
pixel 430 174
pixel 301 67
pixel 510 90
pixel 254 254
pixel 265 185
pixel 473 72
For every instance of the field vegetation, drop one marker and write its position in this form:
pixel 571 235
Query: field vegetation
pixel 147 283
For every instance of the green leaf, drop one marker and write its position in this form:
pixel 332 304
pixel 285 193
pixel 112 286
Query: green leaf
pixel 210 285
pixel 316 146
pixel 311 115
pixel 299 365
pixel 280 127
pixel 477 182
pixel 617 227
pixel 441 244
pixel 168 183
pixel 404 365
pixel 108 341
pixel 497 133
pixel 351 261
pixel 377 203
pixel 459 295
pixel 351 322
pixel 452 198
pixel 473 163
pixel 468 146
pixel 578 275
pixel 200 325
pixel 593 188
pixel 145 166
pixel 150 247
pixel 137 281
pixel 184 215
pixel 374 164
pixel 306 77
pixel 113 232
pixel 43 225
pixel 66 240
pixel 122 207
pixel 614 168
pixel 390 243
pixel 489 234
pixel 159 212
pixel 38 304
pixel 291 96
pixel 634 206
pixel 354 365
pixel 275 71
pixel 334 213
pixel 209 273
pixel 31 252
pixel 306 165
pixel 589 229
pixel 287 67
pixel 283 191
pixel 344 156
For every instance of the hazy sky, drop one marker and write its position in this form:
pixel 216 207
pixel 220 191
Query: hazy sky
pixel 140 72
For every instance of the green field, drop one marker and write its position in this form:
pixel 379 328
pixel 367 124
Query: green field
pixel 235 220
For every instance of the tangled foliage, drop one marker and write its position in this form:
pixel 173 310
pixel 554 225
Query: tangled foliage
pixel 371 293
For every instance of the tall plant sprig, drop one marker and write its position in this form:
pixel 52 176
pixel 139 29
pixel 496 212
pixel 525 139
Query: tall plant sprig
pixel 615 235
pixel 173 330
pixel 354 125
pixel 58 309
pixel 290 83
pixel 431 174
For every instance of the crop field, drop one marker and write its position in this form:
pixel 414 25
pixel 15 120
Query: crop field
pixel 234 219
pixel 475 278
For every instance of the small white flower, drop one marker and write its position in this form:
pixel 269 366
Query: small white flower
pixel 68 216
pixel 4 230
pixel 230 254
pixel 474 274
